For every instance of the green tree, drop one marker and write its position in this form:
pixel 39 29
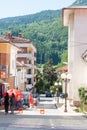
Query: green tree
pixel 49 74
pixel 39 82
pixel 64 56
pixel 53 89
pixel 82 95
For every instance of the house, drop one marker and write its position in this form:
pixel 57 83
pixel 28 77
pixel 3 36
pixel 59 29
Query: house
pixel 27 58
pixel 8 53
pixel 76 20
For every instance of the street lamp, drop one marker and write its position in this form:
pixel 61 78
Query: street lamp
pixel 56 85
pixel 66 77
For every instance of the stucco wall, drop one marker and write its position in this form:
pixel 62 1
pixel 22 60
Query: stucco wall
pixel 77 46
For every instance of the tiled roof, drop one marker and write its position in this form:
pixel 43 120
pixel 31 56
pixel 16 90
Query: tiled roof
pixel 15 39
pixel 4 40
pixel 64 68
pixel 19 40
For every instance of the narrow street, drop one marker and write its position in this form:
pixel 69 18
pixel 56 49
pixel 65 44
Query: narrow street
pixel 42 121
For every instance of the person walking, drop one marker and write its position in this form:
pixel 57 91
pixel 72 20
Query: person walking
pixel 6 103
pixel 31 100
pixel 12 103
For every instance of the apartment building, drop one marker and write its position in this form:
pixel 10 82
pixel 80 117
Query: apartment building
pixel 7 65
pixel 26 61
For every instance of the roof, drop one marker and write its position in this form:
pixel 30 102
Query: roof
pixel 18 40
pixel 63 69
pixel 66 12
pixel 4 40
pixel 14 39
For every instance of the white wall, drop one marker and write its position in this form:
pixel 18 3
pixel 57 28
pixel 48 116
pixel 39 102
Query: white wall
pixel 13 60
pixel 77 46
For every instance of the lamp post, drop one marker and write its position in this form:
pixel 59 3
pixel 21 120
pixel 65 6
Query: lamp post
pixel 56 85
pixel 66 77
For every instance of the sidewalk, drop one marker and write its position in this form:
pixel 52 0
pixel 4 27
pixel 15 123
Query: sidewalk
pixel 52 112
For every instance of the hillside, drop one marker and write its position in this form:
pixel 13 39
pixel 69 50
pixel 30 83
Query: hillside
pixel 80 3
pixel 45 30
pixel 27 19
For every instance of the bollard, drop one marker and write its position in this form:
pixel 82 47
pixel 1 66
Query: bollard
pixel 20 110
pixel 42 111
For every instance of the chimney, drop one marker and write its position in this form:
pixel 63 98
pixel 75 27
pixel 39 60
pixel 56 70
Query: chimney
pixel 9 35
pixel 20 35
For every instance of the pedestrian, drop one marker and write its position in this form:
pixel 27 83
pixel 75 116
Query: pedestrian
pixel 12 103
pixel 6 103
pixel 31 100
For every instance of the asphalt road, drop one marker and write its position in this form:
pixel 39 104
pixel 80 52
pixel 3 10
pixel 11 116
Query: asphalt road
pixel 32 122
pixel 42 122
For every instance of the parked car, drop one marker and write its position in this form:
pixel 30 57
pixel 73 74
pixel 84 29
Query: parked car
pixel 48 94
pixel 63 95
pixel 26 98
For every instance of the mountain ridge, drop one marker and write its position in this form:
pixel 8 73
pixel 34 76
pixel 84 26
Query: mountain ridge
pixel 80 3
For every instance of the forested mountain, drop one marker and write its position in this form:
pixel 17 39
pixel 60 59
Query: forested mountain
pixel 45 30
pixel 80 3
pixel 27 19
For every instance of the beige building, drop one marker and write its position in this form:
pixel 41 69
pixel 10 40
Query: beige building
pixel 76 20
pixel 8 52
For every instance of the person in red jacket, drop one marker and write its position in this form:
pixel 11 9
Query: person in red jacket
pixel 31 101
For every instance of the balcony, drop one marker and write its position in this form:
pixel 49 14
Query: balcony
pixel 29 86
pixel 29 65
pixel 28 55
pixel 29 76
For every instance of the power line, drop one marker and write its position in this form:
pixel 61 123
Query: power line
pixel 81 43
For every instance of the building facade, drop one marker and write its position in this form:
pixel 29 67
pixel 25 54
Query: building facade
pixel 7 64
pixel 27 59
pixel 76 20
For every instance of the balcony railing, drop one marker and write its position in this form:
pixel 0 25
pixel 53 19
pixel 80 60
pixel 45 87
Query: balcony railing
pixel 28 55
pixel 29 86
pixel 29 76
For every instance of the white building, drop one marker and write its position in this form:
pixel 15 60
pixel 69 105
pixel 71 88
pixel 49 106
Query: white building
pixel 27 61
pixel 76 20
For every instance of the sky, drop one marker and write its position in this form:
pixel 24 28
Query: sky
pixel 12 8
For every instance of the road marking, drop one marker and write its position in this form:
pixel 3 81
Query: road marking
pixel 52 125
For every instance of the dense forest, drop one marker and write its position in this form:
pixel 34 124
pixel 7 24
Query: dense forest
pixel 45 30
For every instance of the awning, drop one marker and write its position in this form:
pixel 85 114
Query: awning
pixel 3 82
